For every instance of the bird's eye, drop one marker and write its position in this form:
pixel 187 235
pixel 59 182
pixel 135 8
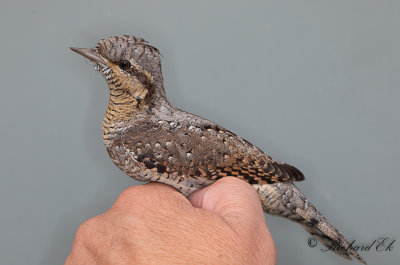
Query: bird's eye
pixel 124 64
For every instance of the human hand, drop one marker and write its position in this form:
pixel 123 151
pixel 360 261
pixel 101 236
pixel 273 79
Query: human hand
pixel 155 224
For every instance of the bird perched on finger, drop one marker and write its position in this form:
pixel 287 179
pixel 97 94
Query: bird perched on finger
pixel 151 140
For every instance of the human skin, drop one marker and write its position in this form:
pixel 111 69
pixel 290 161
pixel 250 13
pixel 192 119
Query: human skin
pixel 155 224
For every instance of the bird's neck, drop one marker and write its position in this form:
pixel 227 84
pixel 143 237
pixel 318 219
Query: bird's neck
pixel 123 109
pixel 122 105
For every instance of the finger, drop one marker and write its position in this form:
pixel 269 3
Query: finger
pixel 234 200
pixel 238 204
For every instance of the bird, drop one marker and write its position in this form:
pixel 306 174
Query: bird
pixel 151 140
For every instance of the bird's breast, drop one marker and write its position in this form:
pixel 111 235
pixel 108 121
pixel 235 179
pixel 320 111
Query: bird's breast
pixel 111 129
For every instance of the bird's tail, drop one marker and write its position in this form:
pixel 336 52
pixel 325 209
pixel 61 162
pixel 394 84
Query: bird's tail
pixel 286 200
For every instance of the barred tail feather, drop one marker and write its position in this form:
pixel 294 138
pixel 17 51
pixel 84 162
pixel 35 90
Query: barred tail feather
pixel 286 200
pixel 328 235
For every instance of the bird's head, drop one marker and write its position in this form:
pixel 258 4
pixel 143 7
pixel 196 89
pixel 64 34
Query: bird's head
pixel 130 66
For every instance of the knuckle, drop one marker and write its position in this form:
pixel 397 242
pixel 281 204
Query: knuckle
pixel 83 233
pixel 153 194
pixel 129 193
pixel 130 198
pixel 147 200
pixel 175 198
pixel 135 199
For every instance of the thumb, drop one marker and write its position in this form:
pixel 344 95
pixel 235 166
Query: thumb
pixel 234 200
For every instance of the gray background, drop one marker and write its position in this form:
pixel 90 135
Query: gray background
pixel 313 83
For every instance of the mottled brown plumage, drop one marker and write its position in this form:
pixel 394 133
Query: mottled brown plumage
pixel 151 140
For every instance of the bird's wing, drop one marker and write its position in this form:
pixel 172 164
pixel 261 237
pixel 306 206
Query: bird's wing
pixel 272 172
pixel 243 160
pixel 206 151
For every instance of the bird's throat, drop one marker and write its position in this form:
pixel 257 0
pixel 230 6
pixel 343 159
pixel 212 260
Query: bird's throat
pixel 122 105
pixel 122 108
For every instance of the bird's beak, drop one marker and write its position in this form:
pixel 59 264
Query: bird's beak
pixel 90 54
